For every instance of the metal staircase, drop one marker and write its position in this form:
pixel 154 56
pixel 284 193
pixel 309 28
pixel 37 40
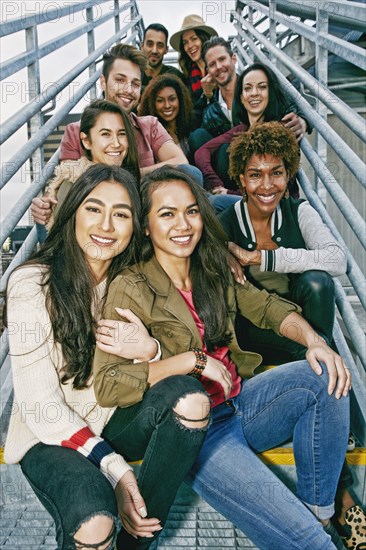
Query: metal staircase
pixel 317 51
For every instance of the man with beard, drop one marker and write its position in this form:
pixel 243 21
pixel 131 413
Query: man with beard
pixel 155 46
pixel 216 106
pixel 123 67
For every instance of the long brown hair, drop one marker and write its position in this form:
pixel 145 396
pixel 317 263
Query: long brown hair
pixel 89 119
pixel 184 60
pixel 208 268
pixel 69 284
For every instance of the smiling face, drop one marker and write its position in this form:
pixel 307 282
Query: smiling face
pixel 174 221
pixel 265 181
pixel 123 85
pixel 104 225
pixel 107 140
pixel 154 47
pixel 220 65
pixel 192 45
pixel 167 104
pixel 255 94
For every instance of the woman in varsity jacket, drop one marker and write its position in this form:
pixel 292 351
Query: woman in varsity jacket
pixel 282 242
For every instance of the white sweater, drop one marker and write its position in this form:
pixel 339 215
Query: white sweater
pixel 44 409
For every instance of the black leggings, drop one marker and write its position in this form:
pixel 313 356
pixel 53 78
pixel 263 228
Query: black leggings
pixel 313 291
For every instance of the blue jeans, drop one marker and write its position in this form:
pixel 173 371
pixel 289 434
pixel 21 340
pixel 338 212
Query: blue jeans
pixel 289 401
pixel 42 233
pixel 221 202
pixel 197 138
pixel 194 172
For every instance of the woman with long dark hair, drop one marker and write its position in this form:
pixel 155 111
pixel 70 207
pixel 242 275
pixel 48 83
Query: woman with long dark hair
pixel 188 41
pixel 258 97
pixel 73 451
pixel 106 136
pixel 168 99
pixel 184 293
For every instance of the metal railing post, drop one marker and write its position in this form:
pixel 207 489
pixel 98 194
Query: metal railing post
pixel 91 49
pixel 272 28
pixel 36 161
pixel 321 69
pixel 251 21
pixel 117 24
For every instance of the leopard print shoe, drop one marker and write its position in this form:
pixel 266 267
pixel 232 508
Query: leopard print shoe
pixel 356 522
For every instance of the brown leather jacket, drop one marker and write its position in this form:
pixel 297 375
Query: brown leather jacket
pixel 147 290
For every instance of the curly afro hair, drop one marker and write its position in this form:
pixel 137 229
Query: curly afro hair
pixel 268 138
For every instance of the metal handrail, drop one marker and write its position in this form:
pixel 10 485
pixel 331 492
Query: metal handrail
pixel 24 201
pixel 354 273
pixel 23 115
pixel 355 220
pixel 338 46
pixel 349 14
pixel 351 322
pixel 43 17
pixel 18 62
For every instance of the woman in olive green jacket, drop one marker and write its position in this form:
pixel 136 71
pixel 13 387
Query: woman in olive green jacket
pixel 184 294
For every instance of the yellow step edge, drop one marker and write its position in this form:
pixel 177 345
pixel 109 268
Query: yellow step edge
pixel 285 457
pixel 280 457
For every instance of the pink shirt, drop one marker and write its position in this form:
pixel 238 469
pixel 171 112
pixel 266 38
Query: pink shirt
pixel 214 389
pixel 150 135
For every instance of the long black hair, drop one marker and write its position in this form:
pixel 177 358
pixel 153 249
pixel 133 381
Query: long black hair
pixel 277 103
pixel 208 269
pixel 89 119
pixel 68 281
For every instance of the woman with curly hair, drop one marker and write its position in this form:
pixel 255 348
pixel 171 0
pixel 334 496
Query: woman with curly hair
pixel 167 98
pixel 281 241
pixel 183 292
pixel 285 248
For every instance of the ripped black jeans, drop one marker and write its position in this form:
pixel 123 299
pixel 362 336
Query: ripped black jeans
pixel 73 490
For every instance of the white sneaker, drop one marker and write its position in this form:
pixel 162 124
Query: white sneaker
pixel 351 442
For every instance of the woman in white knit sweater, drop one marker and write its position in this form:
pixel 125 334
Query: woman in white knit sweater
pixel 70 449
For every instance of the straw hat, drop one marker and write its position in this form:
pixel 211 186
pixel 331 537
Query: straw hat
pixel 194 22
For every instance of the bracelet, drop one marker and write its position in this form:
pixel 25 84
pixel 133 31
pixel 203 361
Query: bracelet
pixel 201 361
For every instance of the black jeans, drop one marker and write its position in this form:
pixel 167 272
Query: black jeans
pixel 73 490
pixel 314 292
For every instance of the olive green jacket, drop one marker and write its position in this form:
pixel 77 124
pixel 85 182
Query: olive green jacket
pixel 148 291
